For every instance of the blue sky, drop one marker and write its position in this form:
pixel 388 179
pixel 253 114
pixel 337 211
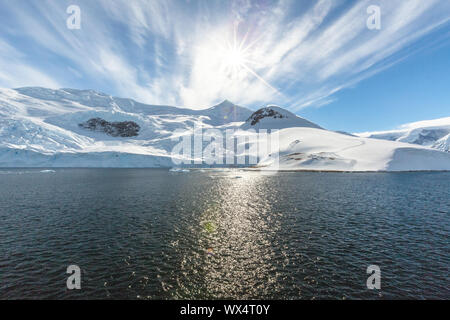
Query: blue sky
pixel 314 57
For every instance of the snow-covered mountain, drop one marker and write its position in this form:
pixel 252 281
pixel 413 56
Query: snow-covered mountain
pixel 305 146
pixel 44 127
pixel 430 133
pixel 82 128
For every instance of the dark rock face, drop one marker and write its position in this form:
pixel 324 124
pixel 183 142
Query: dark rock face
pixel 116 129
pixel 264 113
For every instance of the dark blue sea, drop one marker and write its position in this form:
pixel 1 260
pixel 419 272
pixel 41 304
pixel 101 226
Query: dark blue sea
pixel 205 234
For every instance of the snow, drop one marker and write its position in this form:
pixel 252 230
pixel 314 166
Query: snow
pixel 427 123
pixel 315 149
pixel 431 133
pixel 443 144
pixel 39 127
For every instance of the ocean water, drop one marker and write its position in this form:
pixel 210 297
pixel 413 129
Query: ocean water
pixel 205 234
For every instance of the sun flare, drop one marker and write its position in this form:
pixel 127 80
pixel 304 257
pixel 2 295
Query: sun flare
pixel 234 58
pixel 234 62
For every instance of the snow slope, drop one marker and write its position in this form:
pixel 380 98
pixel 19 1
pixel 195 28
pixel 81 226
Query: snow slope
pixel 40 128
pixel 315 149
pixel 430 133
pixel 305 146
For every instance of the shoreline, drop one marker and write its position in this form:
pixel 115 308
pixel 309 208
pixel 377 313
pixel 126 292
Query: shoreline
pixel 225 169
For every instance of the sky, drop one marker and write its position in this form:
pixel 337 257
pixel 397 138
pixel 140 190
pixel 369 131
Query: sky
pixel 317 58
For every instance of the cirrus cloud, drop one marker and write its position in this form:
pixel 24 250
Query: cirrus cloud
pixel 297 53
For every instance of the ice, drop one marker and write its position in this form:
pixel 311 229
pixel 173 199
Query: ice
pixel 432 133
pixel 39 127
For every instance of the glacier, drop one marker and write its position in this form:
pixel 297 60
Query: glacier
pixel 40 127
pixel 431 133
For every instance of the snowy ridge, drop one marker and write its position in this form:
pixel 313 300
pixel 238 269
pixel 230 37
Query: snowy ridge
pixel 40 127
pixel 430 133
pixel 315 149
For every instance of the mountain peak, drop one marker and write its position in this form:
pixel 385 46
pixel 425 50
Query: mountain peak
pixel 224 104
pixel 53 128
pixel 226 112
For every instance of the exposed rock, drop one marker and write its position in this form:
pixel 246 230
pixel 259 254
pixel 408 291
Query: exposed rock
pixel 114 129
pixel 265 113
pixel 275 118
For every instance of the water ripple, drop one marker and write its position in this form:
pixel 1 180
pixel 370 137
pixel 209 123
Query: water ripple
pixel 153 234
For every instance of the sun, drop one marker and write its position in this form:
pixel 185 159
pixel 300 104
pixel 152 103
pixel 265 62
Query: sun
pixel 234 61
pixel 233 57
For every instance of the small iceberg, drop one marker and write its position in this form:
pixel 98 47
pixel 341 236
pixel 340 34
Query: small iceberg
pixel 179 170
pixel 47 171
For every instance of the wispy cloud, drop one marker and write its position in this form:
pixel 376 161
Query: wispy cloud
pixel 16 72
pixel 297 53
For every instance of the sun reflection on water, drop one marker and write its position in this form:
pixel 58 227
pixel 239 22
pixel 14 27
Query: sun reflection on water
pixel 234 240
